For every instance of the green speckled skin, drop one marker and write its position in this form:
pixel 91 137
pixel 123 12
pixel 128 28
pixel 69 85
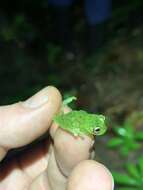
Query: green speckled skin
pixel 81 123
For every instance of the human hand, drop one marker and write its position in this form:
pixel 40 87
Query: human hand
pixel 53 164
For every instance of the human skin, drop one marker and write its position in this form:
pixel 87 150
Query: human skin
pixel 60 163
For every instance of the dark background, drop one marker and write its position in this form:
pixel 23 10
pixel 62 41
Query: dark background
pixel 29 61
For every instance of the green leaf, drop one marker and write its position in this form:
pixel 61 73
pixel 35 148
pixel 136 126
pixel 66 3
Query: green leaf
pixel 133 171
pixel 140 164
pixel 129 128
pixel 139 135
pixel 124 179
pixel 121 131
pixel 124 150
pixel 114 142
pixel 135 146
pixel 128 188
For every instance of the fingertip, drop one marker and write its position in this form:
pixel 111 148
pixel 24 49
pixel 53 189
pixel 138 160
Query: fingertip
pixel 77 149
pixel 49 94
pixel 89 175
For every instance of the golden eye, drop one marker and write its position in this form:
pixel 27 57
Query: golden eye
pixel 96 130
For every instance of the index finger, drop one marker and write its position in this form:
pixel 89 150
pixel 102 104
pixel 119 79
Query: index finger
pixel 70 150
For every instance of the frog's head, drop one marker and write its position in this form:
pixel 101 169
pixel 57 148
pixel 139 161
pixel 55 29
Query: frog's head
pixel 98 125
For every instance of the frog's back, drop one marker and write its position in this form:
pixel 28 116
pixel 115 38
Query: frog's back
pixel 71 120
pixel 80 122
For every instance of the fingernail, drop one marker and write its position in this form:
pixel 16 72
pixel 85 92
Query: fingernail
pixel 37 100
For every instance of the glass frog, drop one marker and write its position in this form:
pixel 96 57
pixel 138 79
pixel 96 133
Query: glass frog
pixel 80 122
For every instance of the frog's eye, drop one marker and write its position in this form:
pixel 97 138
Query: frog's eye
pixel 96 130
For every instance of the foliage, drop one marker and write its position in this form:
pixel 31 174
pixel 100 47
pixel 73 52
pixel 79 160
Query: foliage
pixel 132 179
pixel 121 13
pixel 128 138
pixel 17 29
pixel 53 53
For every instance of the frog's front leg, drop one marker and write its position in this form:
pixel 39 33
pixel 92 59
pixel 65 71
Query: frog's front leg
pixel 78 133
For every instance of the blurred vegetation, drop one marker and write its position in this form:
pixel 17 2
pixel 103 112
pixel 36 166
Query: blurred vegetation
pixel 109 82
pixel 127 137
pixel 133 178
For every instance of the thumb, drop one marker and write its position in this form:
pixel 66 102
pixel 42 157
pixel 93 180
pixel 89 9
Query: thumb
pixel 23 122
pixel 90 175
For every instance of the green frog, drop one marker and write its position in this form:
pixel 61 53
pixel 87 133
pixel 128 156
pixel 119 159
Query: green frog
pixel 80 122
